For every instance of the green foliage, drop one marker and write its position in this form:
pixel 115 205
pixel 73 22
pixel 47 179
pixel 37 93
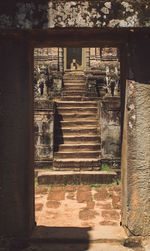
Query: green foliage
pixel 48 169
pixel 103 185
pixel 105 167
pixel 110 195
pixel 118 181
pixel 96 185
pixel 36 182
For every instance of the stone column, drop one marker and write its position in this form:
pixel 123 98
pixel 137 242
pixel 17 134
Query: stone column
pixel 136 140
pixel 16 129
pixel 44 133
pixel 87 59
pixel 61 59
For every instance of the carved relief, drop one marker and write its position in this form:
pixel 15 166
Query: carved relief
pixel 112 81
pixel 43 125
pixel 41 81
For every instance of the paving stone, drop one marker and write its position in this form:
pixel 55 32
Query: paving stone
pixel 41 190
pixel 53 204
pixel 70 188
pixel 38 206
pixel 108 223
pixel 116 201
pixel 56 189
pixel 83 196
pixel 110 215
pixel 102 194
pixel 90 205
pixel 84 188
pixel 117 188
pixel 87 214
pixel 56 195
pixel 104 205
pixel 71 196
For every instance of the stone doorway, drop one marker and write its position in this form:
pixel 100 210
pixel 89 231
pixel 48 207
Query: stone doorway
pixel 74 58
pixel 16 87
pixel 77 200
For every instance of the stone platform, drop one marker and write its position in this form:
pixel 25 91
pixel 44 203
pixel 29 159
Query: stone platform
pixel 79 218
pixel 78 206
pixel 75 177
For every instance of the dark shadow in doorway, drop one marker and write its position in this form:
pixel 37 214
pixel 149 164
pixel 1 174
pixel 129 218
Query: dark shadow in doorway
pixel 61 238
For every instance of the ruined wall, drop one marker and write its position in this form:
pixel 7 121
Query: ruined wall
pixel 46 56
pixel 102 57
pixel 50 14
pixel 98 59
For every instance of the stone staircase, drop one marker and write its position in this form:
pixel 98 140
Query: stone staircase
pixel 77 132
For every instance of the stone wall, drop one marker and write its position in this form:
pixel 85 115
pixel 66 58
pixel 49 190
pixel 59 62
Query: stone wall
pixel 98 59
pixel 102 57
pixel 44 134
pixel 50 14
pixel 48 57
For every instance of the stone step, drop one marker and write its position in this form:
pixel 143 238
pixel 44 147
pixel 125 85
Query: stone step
pixel 84 163
pixel 77 109
pixel 76 155
pixel 75 177
pixel 74 84
pixel 73 93
pixel 74 81
pixel 80 139
pixel 78 147
pixel 76 104
pixel 74 87
pixel 71 116
pixel 87 123
pixel 78 98
pixel 79 131
pixel 74 74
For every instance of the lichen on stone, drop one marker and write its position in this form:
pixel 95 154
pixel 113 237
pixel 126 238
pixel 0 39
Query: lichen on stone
pixel 28 15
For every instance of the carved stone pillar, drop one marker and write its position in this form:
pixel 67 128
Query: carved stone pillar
pixel 91 89
pixel 87 59
pixel 60 59
pixel 136 139
pixel 44 132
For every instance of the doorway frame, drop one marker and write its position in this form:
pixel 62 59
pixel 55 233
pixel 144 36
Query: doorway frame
pixel 84 59
pixel 91 38
pixel 29 40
